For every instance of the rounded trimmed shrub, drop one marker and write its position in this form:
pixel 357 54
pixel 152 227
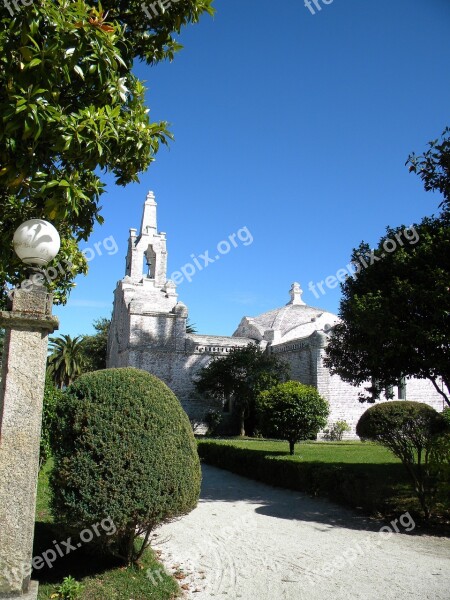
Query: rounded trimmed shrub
pixel 291 411
pixel 411 431
pixel 124 451
pixel 392 422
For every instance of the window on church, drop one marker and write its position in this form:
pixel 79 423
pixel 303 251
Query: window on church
pixel 402 389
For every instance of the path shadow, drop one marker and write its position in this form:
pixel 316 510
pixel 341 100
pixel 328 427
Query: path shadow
pixel 221 485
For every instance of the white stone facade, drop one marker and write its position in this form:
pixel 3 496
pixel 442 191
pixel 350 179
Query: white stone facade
pixel 148 331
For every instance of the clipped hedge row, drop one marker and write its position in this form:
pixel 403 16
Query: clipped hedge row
pixel 355 485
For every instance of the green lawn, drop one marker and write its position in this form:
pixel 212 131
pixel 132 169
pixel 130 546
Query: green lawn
pixel 362 475
pixel 101 579
pixel 324 452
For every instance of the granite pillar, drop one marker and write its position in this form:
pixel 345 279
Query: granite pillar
pixel 22 390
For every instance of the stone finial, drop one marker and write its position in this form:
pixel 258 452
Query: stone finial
pixel 150 197
pixel 296 294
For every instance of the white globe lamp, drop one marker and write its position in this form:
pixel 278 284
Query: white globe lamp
pixel 36 242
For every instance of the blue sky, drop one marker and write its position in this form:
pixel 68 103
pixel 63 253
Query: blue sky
pixel 292 125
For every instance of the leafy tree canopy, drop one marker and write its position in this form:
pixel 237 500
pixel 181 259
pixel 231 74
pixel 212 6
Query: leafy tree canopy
pixel 94 347
pixel 434 166
pixel 396 312
pixel 66 361
pixel 240 376
pixel 292 411
pixel 71 109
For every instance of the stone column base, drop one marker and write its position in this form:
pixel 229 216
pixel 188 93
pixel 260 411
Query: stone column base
pixel 32 593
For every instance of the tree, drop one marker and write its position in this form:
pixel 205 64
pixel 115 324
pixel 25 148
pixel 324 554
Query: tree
pixel 66 361
pixel 123 449
pixel 396 312
pixel 190 327
pixel 434 166
pixel 72 109
pixel 291 411
pixel 94 346
pixel 240 376
pixel 410 431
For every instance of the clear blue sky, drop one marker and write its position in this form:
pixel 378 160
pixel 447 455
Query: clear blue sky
pixel 295 126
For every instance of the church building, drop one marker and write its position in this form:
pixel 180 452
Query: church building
pixel 148 331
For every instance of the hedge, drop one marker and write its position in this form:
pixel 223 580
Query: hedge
pixel 356 485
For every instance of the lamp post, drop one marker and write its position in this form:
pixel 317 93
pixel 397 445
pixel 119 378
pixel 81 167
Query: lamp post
pixel 28 324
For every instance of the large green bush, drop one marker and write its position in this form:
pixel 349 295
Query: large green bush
pixel 411 430
pixel 291 411
pixel 124 450
pixel 52 396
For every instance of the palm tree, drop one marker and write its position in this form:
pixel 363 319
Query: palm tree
pixel 66 360
pixel 190 327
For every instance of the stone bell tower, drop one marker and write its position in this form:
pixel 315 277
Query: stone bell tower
pixel 147 254
pixel 148 325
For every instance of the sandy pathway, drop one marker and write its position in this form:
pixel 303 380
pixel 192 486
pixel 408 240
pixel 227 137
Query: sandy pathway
pixel 256 542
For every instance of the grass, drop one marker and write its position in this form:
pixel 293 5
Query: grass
pixel 351 452
pixel 101 578
pixel 361 475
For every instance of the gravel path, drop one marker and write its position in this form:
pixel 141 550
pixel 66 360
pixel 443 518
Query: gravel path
pixel 252 541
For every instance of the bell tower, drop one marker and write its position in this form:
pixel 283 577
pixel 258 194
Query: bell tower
pixel 147 254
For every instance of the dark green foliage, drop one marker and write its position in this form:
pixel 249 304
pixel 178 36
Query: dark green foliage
pixel 124 449
pixel 52 396
pixel 291 411
pixel 72 110
pixel 396 312
pixel 94 346
pixel 213 418
pixel 240 376
pixel 410 430
pixel 190 327
pixel 67 359
pixel 434 166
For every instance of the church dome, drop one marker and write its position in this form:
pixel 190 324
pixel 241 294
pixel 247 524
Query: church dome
pixel 293 321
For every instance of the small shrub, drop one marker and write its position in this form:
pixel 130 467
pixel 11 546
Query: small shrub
pixel 70 589
pixel 336 432
pixel 291 411
pixel 213 418
pixel 411 431
pixel 124 450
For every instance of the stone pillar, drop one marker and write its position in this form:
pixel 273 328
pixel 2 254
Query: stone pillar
pixel 22 390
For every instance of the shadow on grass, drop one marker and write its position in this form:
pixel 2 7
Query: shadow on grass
pixel 78 563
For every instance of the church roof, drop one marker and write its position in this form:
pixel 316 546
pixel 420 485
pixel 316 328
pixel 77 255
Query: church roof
pixel 293 321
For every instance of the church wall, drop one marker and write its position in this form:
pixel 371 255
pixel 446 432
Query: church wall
pixel 148 331
pixel 422 390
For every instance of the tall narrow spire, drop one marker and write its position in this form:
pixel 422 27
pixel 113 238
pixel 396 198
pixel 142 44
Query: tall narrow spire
pixel 148 225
